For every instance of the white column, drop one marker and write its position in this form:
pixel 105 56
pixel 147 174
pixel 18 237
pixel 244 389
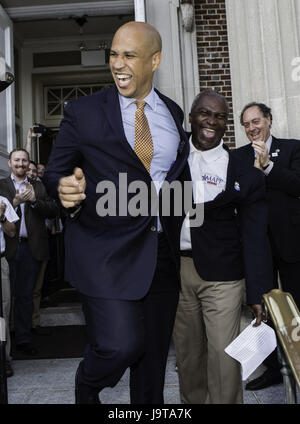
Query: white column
pixel 264 39
pixel 139 10
pixel 177 76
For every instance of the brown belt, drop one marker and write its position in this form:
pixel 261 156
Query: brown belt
pixel 186 253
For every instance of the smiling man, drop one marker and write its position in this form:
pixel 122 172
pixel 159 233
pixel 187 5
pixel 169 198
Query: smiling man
pixel 123 266
pixel 215 258
pixel 279 161
pixel 29 247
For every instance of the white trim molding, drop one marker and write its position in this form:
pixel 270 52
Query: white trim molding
pixel 139 10
pixel 60 11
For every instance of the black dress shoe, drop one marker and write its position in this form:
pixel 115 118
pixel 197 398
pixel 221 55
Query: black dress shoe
pixel 41 331
pixel 27 349
pixel 8 369
pixel 267 379
pixel 85 395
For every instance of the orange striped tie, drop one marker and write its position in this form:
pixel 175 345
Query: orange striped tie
pixel 143 145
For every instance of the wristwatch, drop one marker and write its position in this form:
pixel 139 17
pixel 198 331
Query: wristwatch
pixel 3 219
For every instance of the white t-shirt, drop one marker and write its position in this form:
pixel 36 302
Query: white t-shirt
pixel 209 167
pixel 11 216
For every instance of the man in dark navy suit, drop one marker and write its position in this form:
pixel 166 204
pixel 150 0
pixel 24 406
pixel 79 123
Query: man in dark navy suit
pixel 279 161
pixel 230 245
pixel 122 263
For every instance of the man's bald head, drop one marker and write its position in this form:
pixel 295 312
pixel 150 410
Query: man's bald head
pixel 151 36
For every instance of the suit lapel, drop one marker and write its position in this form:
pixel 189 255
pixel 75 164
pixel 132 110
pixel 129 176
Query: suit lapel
pixel 274 149
pixel 11 187
pixel 249 154
pixel 113 114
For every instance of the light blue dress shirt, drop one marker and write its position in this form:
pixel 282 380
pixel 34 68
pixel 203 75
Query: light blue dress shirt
pixel 165 136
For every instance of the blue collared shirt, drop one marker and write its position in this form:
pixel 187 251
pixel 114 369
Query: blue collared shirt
pixel 163 130
pixel 165 136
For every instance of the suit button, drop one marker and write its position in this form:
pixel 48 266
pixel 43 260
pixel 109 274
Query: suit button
pixel 153 228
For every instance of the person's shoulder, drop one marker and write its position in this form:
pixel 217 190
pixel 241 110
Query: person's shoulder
pixel 291 143
pixel 241 149
pixel 168 101
pixel 4 181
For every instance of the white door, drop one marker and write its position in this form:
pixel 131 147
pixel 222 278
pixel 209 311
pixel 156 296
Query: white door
pixel 7 105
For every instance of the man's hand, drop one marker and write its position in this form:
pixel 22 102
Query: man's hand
pixel 71 189
pixel 262 155
pixel 21 197
pixel 257 311
pixel 31 192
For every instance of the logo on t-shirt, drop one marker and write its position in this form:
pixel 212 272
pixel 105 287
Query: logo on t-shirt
pixel 212 179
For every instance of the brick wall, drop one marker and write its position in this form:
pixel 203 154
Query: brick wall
pixel 213 53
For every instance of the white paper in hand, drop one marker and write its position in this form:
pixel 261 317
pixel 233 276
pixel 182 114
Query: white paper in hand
pixel 252 346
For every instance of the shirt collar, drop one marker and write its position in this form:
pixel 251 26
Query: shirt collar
pixel 151 100
pixel 269 142
pixel 18 182
pixel 208 155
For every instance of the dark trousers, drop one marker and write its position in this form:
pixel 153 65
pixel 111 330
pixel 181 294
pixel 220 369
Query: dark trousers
pixel 23 269
pixel 289 274
pixel 133 334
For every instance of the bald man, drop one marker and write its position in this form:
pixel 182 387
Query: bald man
pixel 121 259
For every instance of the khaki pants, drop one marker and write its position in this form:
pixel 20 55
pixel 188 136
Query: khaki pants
pixel 207 320
pixel 6 300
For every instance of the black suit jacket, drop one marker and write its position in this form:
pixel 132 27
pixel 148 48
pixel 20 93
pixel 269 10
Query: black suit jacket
pixel 34 219
pixel 283 192
pixel 232 242
pixel 111 256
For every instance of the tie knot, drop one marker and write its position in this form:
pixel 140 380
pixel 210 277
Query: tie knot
pixel 140 104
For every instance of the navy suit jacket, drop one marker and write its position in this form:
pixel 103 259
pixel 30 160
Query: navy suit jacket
pixel 112 256
pixel 283 192
pixel 232 242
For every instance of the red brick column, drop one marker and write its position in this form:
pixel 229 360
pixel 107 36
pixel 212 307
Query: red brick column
pixel 213 53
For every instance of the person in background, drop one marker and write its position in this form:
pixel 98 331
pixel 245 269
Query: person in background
pixel 32 175
pixel 8 217
pixel 32 172
pixel 29 247
pixel 40 170
pixel 278 159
